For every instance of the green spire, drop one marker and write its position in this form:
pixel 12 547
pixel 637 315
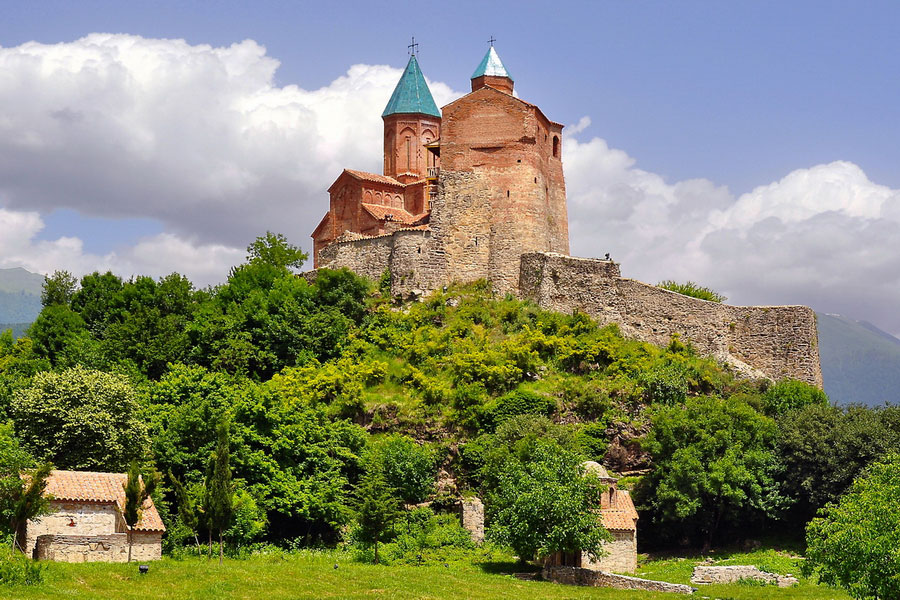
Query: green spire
pixel 411 96
pixel 491 65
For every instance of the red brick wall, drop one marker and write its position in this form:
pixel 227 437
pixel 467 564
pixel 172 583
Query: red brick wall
pixel 404 140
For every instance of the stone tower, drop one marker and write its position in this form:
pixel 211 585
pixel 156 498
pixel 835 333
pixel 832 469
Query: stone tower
pixel 502 191
pixel 411 121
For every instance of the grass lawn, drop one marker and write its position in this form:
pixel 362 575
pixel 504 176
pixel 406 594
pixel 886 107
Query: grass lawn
pixel 312 575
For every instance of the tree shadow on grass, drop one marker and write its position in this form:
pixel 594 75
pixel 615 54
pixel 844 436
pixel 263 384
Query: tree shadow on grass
pixel 507 567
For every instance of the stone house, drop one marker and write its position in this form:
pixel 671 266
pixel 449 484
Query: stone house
pixel 85 522
pixel 620 518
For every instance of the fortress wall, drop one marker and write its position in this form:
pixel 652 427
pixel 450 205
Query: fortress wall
pixel 772 341
pixel 417 264
pixel 367 257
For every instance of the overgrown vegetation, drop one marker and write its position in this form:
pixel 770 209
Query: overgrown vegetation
pixel 345 409
pixel 694 290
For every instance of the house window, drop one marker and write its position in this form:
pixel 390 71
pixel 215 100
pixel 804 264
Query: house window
pixel 556 146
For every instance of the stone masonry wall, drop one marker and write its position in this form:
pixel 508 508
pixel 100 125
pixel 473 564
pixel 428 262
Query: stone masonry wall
pixel 73 518
pixel 111 547
pixel 705 574
pixel 770 341
pixel 367 257
pixel 620 557
pixel 471 515
pixel 587 577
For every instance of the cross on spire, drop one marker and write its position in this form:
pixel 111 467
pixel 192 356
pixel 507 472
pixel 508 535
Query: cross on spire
pixel 491 41
pixel 414 47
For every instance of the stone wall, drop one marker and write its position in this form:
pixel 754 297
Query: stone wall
pixel 769 341
pixel 367 257
pixel 705 574
pixel 111 547
pixel 74 519
pixel 587 577
pixel 620 557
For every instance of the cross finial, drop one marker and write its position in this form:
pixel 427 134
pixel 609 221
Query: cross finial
pixel 414 47
pixel 491 41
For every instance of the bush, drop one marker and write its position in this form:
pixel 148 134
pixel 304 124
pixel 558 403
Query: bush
pixel 664 385
pixel 16 569
pixel 519 402
pixel 692 289
pixel 408 467
pixel 790 394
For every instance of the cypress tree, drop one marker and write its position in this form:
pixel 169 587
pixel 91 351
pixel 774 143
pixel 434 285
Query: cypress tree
pixel 137 490
pixel 219 490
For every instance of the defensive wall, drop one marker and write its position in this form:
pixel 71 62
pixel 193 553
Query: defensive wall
pixel 772 341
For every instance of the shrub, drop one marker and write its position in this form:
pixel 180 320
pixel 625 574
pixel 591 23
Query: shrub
pixel 664 385
pixel 16 569
pixel 519 402
pixel 408 467
pixel 790 394
pixel 692 289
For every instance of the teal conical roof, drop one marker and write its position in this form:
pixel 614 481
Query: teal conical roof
pixel 411 96
pixel 491 65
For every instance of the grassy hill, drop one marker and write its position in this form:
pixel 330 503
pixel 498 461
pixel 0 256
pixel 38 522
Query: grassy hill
pixel 860 363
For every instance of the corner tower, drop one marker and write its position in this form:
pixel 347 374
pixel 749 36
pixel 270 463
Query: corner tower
pixel 411 121
pixel 492 73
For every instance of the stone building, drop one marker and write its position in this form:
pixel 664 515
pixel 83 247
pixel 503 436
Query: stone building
pixel 620 518
pixel 85 523
pixel 476 191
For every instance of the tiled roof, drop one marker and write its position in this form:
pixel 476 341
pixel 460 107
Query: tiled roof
pixel 388 213
pixel 87 486
pixel 373 177
pixel 622 514
pixel 491 65
pixel 412 96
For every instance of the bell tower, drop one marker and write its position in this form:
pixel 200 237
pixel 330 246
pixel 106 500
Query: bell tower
pixel 411 121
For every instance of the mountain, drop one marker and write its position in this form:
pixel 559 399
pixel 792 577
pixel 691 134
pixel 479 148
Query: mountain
pixel 860 362
pixel 20 298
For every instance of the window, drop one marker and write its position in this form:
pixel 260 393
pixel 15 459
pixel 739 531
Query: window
pixel 556 146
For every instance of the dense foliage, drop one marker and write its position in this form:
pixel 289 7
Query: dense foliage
pixel 853 544
pixel 336 395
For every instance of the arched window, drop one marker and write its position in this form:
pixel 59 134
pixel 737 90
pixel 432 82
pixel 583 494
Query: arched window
pixel 556 146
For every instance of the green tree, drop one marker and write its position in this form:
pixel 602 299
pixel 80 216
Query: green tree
pixel 853 544
pixel 138 488
pixel 81 419
pixel 377 508
pixel 59 334
pixel 713 464
pixel 822 449
pixel 187 512
pixel 59 288
pixel 219 497
pixel 22 486
pixel 274 249
pixel 546 504
pixel 694 290
pixel 407 467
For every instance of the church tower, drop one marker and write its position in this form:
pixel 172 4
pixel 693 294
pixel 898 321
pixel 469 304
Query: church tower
pixel 411 121
pixel 492 73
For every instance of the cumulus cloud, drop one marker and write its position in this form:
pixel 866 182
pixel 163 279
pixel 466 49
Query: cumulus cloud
pixel 197 137
pixel 825 236
pixel 204 141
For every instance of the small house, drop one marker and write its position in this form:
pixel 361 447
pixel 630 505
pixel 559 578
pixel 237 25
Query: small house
pixel 619 517
pixel 86 523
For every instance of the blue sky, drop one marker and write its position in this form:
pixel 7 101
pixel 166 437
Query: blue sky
pixel 698 111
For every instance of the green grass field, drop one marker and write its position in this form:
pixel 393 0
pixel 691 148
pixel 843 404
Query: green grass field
pixel 312 575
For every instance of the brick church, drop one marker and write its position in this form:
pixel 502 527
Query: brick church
pixel 475 190
pixel 465 190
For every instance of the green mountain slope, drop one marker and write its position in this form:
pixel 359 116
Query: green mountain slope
pixel 860 363
pixel 20 298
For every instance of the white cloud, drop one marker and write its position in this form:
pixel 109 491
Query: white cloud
pixel 202 140
pixel 825 236
pixel 197 137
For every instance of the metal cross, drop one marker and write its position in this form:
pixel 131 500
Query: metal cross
pixel 491 41
pixel 414 47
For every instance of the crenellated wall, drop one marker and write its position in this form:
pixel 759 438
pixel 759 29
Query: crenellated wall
pixel 771 341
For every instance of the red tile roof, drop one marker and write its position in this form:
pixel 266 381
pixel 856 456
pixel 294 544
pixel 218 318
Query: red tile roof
pixel 107 488
pixel 388 213
pixel 621 515
pixel 373 177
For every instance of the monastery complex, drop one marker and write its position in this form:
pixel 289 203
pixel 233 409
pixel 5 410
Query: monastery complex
pixel 475 190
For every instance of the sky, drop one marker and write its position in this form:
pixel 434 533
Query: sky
pixel 748 146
